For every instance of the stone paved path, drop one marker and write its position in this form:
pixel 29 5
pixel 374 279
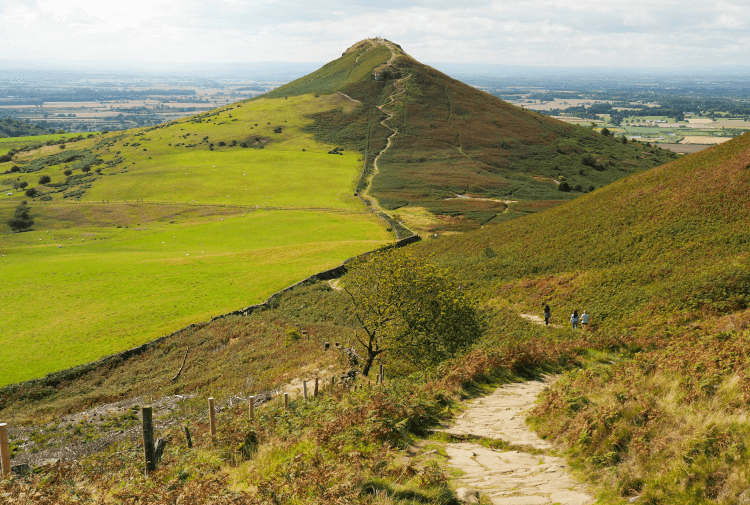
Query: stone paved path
pixel 511 477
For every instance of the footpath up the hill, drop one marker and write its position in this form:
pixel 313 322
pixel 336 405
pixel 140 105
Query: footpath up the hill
pixel 523 475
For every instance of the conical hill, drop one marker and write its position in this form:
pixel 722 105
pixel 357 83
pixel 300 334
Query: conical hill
pixel 454 150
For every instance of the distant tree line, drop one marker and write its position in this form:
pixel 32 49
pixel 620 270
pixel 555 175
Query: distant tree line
pixel 18 128
pixel 36 96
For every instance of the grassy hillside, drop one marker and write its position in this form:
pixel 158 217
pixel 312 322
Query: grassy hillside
pixel 460 154
pixel 654 398
pixel 660 260
pixel 142 232
pixel 660 409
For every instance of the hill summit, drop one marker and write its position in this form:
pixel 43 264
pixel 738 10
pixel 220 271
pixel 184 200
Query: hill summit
pixel 447 155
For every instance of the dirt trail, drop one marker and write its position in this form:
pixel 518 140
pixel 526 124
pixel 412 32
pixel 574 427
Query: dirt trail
pixel 538 320
pixel 511 477
pixel 399 88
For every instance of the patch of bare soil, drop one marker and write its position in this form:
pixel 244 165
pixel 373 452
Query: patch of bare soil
pixel 538 320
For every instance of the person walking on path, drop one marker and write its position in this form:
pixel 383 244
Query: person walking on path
pixel 585 320
pixel 574 319
pixel 547 315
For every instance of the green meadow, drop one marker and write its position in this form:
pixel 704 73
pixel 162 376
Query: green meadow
pixel 108 289
pixel 151 230
pixel 8 143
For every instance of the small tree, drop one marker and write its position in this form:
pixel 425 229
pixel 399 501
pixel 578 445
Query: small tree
pixel 21 219
pixel 45 179
pixel 31 192
pixel 409 306
pixel 605 132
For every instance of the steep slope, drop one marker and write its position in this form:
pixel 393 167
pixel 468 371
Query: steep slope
pixel 454 150
pixel 668 245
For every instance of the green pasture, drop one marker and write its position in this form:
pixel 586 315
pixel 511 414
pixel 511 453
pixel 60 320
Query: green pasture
pixel 194 241
pixel 185 161
pixel 239 176
pixel 109 289
pixel 8 143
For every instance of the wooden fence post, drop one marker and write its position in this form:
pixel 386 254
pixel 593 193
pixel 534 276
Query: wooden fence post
pixel 251 408
pixel 332 382
pixel 315 391
pixel 149 451
pixel 188 438
pixel 212 416
pixel 377 379
pixel 4 450
pixel 382 373
pixel 304 390
pixel 286 400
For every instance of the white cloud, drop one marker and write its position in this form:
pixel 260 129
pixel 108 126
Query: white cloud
pixel 527 32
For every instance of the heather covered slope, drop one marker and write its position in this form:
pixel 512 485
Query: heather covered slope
pixel 661 260
pixel 459 153
pixel 665 246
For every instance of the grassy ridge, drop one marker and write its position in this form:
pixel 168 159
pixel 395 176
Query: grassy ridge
pixel 265 154
pixel 356 64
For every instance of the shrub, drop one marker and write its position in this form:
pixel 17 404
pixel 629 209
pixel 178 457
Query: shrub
pixel 86 169
pixel 21 219
pixel 15 168
pixel 31 192
pixel 564 186
pixel 293 336
pixel 68 171
pixel 5 157
pixel 23 184
pixel 588 160
pixel 45 179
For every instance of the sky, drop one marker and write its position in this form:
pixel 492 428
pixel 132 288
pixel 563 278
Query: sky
pixel 564 33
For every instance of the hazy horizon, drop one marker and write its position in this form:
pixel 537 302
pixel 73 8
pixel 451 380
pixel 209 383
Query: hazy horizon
pixel 534 33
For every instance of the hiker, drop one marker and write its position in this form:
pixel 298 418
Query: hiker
pixel 585 320
pixel 547 315
pixel 574 319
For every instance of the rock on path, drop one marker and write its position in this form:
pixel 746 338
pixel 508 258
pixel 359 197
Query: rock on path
pixel 511 477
